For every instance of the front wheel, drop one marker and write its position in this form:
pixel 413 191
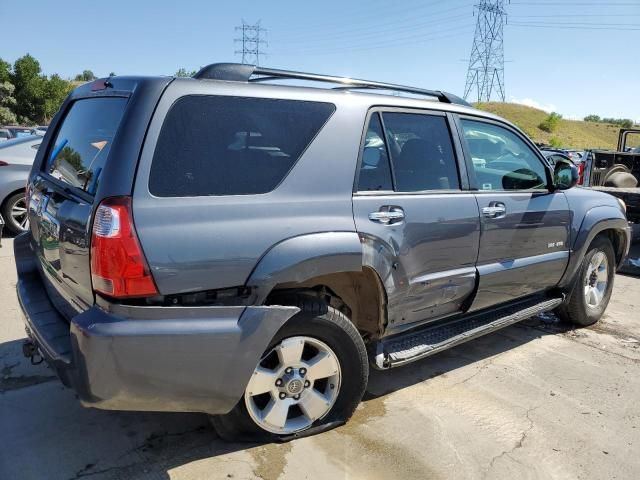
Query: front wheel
pixel 311 378
pixel 592 286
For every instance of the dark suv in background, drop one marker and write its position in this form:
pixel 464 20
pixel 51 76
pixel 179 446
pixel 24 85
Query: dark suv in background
pixel 225 245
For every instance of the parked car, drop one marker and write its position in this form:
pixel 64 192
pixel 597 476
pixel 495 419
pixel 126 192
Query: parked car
pixel 17 131
pixel 248 250
pixel 16 158
pixel 40 130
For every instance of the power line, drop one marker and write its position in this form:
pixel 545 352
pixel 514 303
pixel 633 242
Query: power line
pixel 251 42
pixel 575 26
pixel 386 42
pixel 485 74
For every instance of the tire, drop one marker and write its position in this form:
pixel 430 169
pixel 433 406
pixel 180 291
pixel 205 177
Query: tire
pixel 12 223
pixel 621 180
pixel 580 307
pixel 322 325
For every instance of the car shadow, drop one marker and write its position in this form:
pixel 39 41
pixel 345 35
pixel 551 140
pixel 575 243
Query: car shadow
pixel 47 433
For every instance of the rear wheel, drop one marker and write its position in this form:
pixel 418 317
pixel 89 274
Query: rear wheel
pixel 592 285
pixel 311 378
pixel 14 212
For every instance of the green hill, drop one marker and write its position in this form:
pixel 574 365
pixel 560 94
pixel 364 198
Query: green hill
pixel 569 134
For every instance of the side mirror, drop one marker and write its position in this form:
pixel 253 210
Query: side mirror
pixel 565 175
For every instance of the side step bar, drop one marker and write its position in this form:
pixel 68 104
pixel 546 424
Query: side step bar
pixel 411 346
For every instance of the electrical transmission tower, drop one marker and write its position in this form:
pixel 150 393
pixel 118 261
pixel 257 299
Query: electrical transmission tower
pixel 252 42
pixel 485 75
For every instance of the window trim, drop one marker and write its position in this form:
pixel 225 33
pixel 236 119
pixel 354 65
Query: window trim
pixel 473 182
pixel 460 163
pixel 42 170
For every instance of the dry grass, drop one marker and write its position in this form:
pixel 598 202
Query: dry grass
pixel 570 133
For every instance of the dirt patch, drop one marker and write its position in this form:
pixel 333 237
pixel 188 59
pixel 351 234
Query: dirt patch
pixel 270 460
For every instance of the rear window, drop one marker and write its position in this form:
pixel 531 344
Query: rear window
pixel 82 144
pixel 211 145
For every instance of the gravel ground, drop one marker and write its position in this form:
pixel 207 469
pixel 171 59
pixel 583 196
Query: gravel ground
pixel 536 400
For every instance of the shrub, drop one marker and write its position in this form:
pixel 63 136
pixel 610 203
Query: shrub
pixel 550 123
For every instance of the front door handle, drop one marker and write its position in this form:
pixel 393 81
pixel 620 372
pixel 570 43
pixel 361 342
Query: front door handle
pixel 387 215
pixel 495 210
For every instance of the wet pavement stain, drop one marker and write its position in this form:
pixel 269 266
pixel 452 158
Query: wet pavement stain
pixel 270 460
pixel 360 448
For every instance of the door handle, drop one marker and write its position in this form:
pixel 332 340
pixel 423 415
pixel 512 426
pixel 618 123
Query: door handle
pixel 387 215
pixel 495 210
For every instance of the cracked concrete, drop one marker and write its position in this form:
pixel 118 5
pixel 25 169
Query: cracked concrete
pixel 537 400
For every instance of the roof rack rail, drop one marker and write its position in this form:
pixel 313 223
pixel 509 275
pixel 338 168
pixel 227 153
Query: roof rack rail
pixel 240 72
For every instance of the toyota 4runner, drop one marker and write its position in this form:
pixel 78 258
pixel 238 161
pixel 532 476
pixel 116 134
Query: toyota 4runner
pixel 222 244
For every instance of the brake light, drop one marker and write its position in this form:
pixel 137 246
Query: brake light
pixel 580 173
pixel 118 266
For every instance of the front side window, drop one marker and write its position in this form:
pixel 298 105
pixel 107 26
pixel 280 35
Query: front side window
pixel 501 159
pixel 421 152
pixel 82 143
pixel 217 145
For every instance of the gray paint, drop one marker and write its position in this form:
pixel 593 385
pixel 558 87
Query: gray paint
pixel 304 257
pixel 184 359
pixel 439 236
pixel 516 256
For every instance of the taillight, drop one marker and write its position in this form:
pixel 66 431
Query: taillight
pixel 118 266
pixel 580 173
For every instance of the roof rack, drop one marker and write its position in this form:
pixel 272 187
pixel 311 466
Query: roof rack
pixel 240 72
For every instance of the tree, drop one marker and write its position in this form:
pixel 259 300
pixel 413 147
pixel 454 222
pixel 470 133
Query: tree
pixel 5 71
pixel 56 90
pixel 550 123
pixel 183 72
pixel 30 89
pixel 85 76
pixel 592 118
pixel 7 103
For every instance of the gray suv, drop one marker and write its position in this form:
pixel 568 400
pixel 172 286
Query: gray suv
pixel 226 245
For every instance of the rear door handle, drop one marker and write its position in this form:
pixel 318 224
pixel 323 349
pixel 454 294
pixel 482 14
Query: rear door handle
pixel 387 215
pixel 495 210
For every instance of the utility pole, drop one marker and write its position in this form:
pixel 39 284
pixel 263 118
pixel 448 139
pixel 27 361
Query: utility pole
pixel 251 42
pixel 485 75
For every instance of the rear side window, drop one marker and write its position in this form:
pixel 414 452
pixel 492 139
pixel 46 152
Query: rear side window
pixel 215 145
pixel 82 144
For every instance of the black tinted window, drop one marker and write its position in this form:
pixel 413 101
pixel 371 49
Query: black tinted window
pixel 421 152
pixel 82 144
pixel 231 145
pixel 375 173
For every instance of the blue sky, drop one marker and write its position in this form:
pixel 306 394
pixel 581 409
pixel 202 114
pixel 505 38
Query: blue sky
pixel 581 57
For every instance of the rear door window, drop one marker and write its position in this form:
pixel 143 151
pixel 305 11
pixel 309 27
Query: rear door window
pixel 421 152
pixel 217 145
pixel 82 143
pixel 375 172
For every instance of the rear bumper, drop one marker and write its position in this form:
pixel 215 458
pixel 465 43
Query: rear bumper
pixel 186 359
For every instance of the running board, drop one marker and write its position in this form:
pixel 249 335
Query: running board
pixel 408 347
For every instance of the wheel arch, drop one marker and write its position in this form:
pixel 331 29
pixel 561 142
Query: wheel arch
pixel 598 221
pixel 329 265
